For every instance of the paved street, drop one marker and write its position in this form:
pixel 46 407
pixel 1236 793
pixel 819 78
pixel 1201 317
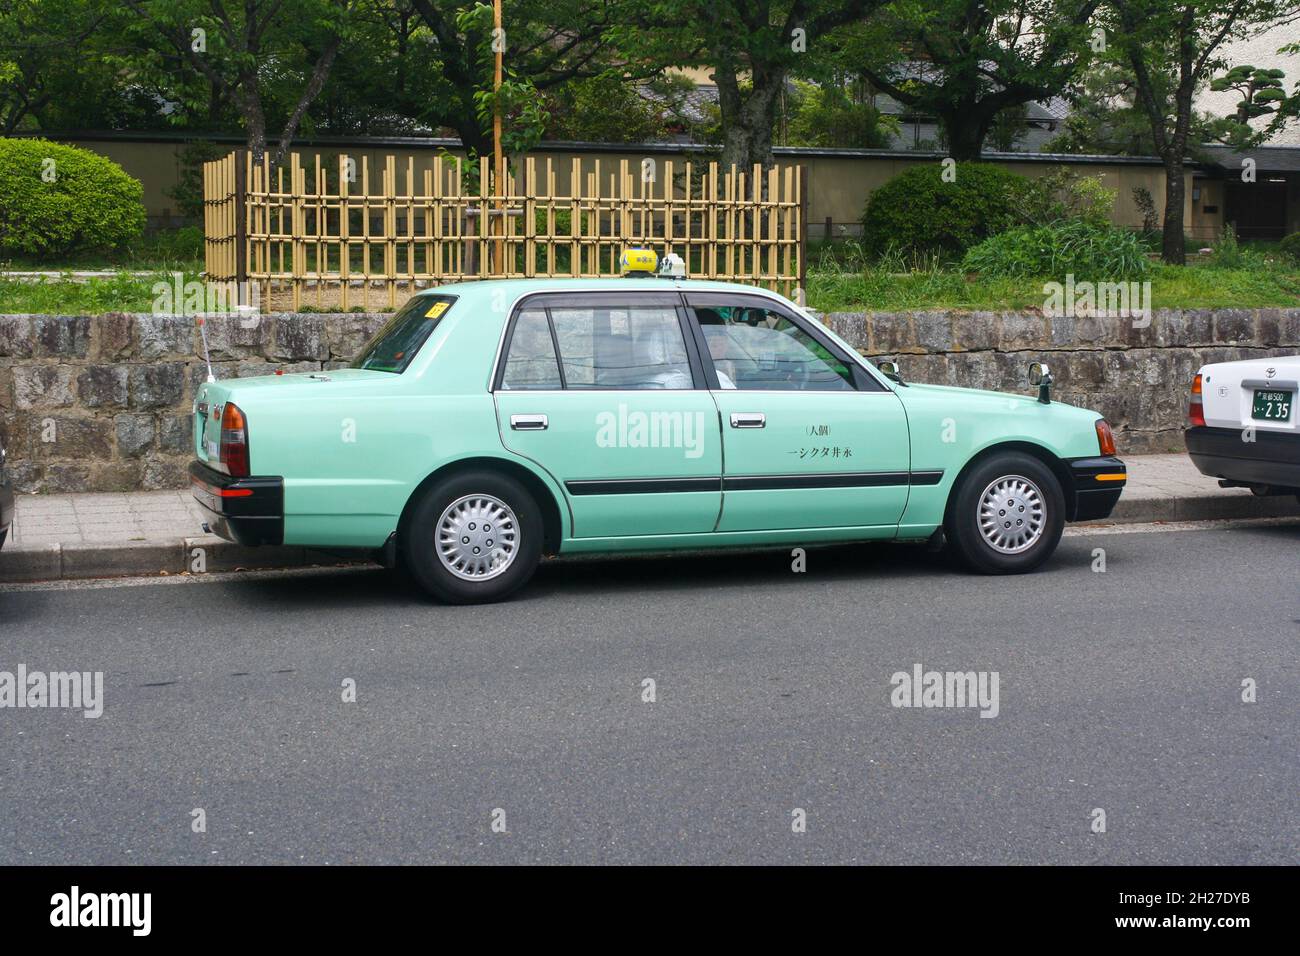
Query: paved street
pixel 1118 690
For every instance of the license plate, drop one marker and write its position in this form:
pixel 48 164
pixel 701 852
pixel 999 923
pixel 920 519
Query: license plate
pixel 1271 405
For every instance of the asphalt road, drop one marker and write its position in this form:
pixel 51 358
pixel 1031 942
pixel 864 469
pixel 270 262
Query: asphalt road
pixel 1118 690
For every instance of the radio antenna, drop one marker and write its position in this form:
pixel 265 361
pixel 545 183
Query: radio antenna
pixel 207 358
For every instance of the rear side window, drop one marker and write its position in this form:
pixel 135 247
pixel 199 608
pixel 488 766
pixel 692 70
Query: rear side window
pixel 629 347
pixel 532 362
pixel 396 344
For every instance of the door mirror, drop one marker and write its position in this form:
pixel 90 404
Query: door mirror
pixel 1041 375
pixel 890 371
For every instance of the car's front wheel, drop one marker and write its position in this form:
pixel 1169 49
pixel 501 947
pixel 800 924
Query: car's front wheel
pixel 473 538
pixel 1007 514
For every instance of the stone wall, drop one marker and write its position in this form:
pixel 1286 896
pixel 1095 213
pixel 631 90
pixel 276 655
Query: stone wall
pixel 103 403
pixel 1137 377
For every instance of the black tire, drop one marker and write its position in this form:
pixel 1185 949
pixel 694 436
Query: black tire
pixel 418 541
pixel 962 523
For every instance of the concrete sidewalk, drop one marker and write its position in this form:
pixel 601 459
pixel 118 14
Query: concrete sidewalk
pixel 160 532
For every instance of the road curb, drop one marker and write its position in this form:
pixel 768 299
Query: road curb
pixel 1201 508
pixel 149 558
pixel 199 555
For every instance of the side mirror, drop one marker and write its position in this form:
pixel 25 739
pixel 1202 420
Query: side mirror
pixel 1041 375
pixel 890 371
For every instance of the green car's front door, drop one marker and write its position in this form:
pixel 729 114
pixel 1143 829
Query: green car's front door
pixel 602 391
pixel 809 440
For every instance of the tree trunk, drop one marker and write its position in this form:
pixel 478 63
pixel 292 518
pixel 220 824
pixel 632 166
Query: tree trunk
pixel 965 128
pixel 1172 247
pixel 747 120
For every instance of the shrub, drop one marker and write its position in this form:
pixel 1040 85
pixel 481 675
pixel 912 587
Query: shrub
pixel 1088 251
pixel 1289 246
pixel 1230 254
pixel 56 199
pixel 1065 195
pixel 918 212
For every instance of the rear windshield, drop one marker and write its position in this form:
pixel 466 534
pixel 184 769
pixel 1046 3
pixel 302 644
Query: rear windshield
pixel 393 346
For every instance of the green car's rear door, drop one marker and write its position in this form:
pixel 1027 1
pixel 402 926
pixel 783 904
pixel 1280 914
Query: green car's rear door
pixel 602 391
pixel 809 441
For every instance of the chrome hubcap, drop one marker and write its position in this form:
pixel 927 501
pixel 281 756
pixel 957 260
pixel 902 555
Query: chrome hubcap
pixel 478 537
pixel 1012 514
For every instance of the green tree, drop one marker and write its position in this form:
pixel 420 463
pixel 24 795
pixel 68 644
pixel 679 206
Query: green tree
pixel 834 114
pixel 1172 48
pixel 254 54
pixel 753 47
pixel 54 72
pixel 967 62
pixel 547 43
pixel 604 109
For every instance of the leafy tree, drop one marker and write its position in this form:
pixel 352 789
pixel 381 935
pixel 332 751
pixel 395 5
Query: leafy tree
pixel 253 53
pixel 1173 47
pixel 604 109
pixel 967 62
pixel 53 68
pixel 754 47
pixel 548 43
pixel 1262 95
pixel 831 114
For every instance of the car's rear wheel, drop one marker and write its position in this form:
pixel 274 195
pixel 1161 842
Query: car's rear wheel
pixel 1007 515
pixel 473 538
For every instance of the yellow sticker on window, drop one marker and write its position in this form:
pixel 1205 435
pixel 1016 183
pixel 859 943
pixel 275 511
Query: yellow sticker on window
pixel 436 310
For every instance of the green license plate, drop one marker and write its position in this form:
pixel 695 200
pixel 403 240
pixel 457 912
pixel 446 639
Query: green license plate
pixel 1271 405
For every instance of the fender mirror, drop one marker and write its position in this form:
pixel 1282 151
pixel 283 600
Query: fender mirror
pixel 1041 375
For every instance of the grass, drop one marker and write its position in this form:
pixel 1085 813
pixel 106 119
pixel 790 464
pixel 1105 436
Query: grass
pixel 842 278
pixel 119 293
pixel 178 250
pixel 1172 287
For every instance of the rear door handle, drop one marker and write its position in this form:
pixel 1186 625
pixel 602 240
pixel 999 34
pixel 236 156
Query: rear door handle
pixel 748 420
pixel 528 423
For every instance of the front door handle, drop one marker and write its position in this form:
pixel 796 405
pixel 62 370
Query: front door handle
pixel 748 420
pixel 528 423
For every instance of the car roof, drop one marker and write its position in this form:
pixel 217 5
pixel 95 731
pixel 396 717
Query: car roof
pixel 518 287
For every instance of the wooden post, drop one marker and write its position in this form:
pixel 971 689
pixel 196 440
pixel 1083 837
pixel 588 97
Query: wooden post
pixel 241 224
pixel 498 157
pixel 801 195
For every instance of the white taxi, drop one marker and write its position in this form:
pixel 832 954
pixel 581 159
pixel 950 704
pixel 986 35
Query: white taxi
pixel 1243 424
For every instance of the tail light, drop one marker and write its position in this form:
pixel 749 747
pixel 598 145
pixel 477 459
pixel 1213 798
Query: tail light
pixel 1105 437
pixel 1196 410
pixel 234 442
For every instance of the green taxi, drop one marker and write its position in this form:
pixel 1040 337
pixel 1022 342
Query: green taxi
pixel 493 422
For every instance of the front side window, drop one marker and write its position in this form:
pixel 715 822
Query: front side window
pixel 621 347
pixel 394 346
pixel 759 349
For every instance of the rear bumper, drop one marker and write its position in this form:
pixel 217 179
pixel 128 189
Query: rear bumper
pixel 244 510
pixel 1096 489
pixel 1273 458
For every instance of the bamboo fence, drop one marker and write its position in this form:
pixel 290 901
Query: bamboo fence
pixel 338 231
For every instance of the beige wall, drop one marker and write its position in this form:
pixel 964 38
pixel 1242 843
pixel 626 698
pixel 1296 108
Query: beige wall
pixel 838 186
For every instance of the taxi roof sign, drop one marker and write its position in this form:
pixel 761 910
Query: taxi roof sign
pixel 634 261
